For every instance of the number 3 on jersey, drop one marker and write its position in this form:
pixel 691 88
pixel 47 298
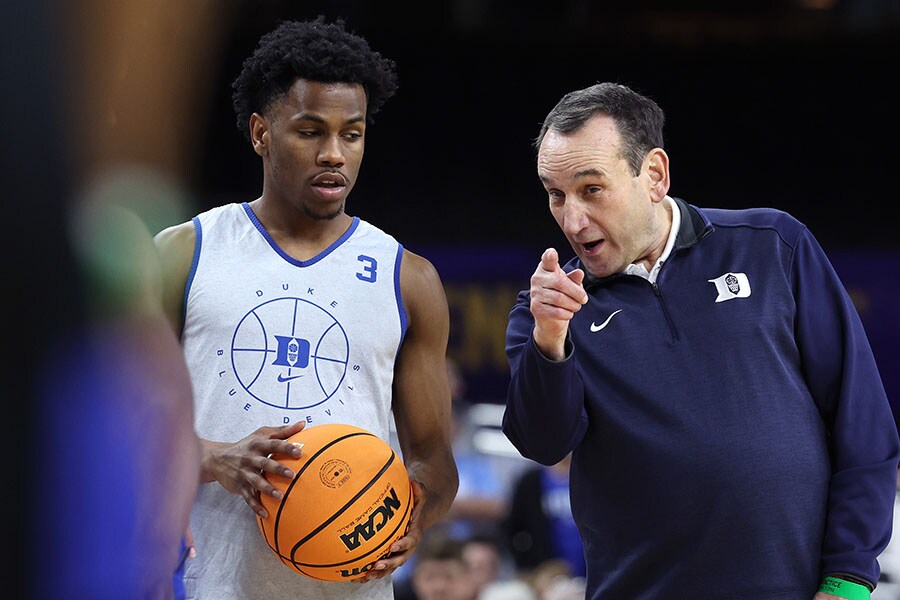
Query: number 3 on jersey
pixel 369 269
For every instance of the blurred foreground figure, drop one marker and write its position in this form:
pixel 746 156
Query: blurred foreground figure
pixel 103 155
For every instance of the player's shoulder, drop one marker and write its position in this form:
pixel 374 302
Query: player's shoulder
pixel 176 239
pixel 422 290
pixel 419 269
pixel 182 237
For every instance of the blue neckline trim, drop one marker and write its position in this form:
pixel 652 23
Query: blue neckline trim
pixel 298 263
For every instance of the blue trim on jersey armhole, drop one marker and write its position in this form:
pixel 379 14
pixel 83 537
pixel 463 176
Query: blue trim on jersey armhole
pixel 198 240
pixel 298 263
pixel 404 321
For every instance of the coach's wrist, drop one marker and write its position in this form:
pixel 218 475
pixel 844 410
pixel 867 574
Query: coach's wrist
pixel 554 348
pixel 844 588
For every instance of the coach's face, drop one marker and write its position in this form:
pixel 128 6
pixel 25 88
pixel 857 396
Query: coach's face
pixel 610 216
pixel 312 141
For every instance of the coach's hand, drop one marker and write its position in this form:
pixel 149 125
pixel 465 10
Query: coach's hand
pixel 239 466
pixel 555 298
pixel 402 549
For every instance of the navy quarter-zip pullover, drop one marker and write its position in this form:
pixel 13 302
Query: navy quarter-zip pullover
pixel 731 436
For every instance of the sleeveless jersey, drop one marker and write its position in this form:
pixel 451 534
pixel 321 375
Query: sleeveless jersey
pixel 271 340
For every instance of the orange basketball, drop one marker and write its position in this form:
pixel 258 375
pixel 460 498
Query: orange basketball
pixel 350 499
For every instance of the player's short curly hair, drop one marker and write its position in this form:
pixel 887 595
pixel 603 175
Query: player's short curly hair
pixel 312 50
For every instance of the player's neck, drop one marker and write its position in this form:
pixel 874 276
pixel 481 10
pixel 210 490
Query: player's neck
pixel 301 236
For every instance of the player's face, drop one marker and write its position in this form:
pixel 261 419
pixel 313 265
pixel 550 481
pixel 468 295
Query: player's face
pixel 312 142
pixel 604 210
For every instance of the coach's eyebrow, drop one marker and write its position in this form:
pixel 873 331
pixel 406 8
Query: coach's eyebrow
pixel 585 172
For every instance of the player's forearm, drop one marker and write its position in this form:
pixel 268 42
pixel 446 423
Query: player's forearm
pixel 440 478
pixel 209 459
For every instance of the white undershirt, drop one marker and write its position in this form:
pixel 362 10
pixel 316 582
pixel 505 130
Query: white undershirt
pixel 638 268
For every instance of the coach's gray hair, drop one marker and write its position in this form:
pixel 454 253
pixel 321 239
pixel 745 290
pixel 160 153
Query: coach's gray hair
pixel 639 119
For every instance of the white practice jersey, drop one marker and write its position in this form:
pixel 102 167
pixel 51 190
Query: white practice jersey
pixel 271 340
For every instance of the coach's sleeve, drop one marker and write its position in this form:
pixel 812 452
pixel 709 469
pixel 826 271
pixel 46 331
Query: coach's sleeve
pixel 842 375
pixel 544 417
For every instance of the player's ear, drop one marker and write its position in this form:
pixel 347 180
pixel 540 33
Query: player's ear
pixel 259 134
pixel 656 168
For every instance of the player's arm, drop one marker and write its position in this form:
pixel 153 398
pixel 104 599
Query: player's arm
pixel 176 249
pixel 422 402
pixel 237 466
pixel 421 396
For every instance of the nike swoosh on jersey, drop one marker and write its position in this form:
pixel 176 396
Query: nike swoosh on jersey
pixel 282 379
pixel 596 328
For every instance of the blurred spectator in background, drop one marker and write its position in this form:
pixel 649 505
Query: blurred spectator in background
pixel 440 573
pixel 539 526
pixel 553 580
pixel 487 560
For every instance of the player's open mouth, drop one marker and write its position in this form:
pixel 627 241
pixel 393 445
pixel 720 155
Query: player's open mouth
pixel 329 185
pixel 329 180
pixel 328 191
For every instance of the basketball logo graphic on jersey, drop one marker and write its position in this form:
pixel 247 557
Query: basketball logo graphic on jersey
pixel 290 353
pixel 731 285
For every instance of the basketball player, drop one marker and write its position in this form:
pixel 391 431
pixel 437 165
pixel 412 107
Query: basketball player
pixel 731 436
pixel 294 313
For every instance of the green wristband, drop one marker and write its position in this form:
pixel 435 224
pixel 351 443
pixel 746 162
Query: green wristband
pixel 844 589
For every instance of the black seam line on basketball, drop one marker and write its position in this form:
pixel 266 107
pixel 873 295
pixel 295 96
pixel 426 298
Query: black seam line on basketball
pixel 343 508
pixel 390 535
pixel 296 478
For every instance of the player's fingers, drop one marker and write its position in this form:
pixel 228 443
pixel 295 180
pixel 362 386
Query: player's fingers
pixel 269 465
pixel 419 494
pixel 386 566
pixel 261 485
pixel 251 497
pixel 285 448
pixel 272 447
pixel 279 432
pixel 286 431
pixel 401 551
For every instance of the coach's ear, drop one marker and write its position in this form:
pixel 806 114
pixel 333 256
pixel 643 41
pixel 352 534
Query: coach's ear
pixel 259 134
pixel 656 172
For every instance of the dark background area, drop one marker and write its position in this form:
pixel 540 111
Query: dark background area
pixel 768 104
pixel 781 103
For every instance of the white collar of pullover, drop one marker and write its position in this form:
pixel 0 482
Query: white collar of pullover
pixel 638 268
